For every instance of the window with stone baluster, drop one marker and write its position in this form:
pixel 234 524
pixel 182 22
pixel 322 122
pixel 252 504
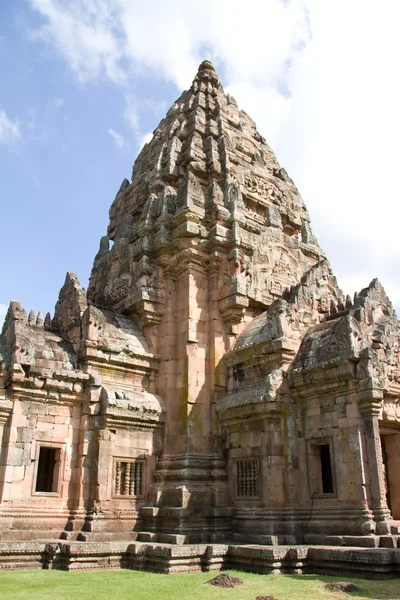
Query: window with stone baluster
pixel 128 478
pixel 247 478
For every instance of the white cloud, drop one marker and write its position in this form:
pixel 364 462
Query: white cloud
pixel 10 133
pixel 340 138
pixel 84 33
pixel 319 78
pixel 114 38
pixel 117 138
pixel 3 312
pixel 123 40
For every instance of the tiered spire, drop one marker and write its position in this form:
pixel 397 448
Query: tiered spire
pixel 207 178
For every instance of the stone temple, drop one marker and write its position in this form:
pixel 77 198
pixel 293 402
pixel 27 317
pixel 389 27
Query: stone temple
pixel 213 399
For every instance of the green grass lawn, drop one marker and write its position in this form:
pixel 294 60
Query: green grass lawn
pixel 137 585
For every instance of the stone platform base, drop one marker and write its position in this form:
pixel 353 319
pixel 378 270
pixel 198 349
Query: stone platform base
pixel 372 563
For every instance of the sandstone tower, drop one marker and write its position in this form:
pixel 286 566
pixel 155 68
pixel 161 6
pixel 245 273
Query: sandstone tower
pixel 214 385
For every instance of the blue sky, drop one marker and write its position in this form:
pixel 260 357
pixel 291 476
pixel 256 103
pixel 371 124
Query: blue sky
pixel 84 82
pixel 61 173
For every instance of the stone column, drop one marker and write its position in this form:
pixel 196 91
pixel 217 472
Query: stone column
pixel 219 341
pixel 370 410
pixel 190 475
pixel 184 377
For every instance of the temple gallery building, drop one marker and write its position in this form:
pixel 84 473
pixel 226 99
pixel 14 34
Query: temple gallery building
pixel 213 398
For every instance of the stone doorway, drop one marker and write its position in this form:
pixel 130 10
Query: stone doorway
pixel 390 443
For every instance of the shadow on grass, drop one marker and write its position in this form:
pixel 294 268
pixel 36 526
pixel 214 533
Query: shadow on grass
pixel 375 589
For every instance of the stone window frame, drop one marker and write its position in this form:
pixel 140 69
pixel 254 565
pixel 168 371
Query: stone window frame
pixel 242 498
pixel 314 466
pixel 61 447
pixel 135 460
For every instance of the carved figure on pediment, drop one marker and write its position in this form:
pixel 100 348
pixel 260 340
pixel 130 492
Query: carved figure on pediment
pixel 370 366
pixel 281 268
pixel 260 276
pixel 254 211
pixel 393 359
pixel 117 290
pixel 275 288
pixel 24 350
pixel 246 268
pixel 277 319
pixel 394 354
pixel 263 188
pixel 93 326
pixel 394 375
pixel 379 373
pixel 146 273
pixel 147 281
pixel 215 195
pixel 293 319
pixel 357 339
pixel 233 195
pixel 346 339
pixel 250 183
pixel 305 305
pixel 391 410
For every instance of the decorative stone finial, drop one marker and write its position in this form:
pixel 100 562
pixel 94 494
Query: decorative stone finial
pixel 207 71
pixel 47 320
pixel 206 64
pixel 39 318
pixel 31 317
